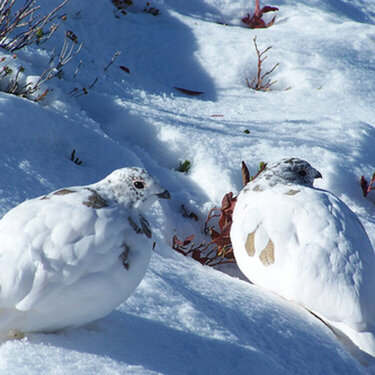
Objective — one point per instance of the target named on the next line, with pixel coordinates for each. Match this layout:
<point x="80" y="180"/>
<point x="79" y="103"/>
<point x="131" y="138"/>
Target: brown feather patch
<point x="292" y="192"/>
<point x="124" y="256"/>
<point x="146" y="227"/>
<point x="250" y="244"/>
<point x="95" y="201"/>
<point x="134" y="225"/>
<point x="267" y="256"/>
<point x="63" y="192"/>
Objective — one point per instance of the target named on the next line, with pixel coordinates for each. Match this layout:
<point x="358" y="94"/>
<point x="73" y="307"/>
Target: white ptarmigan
<point x="306" y="245"/>
<point x="74" y="255"/>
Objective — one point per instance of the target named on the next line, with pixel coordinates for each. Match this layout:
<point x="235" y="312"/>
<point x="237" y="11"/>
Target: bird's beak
<point x="165" y="195"/>
<point x="318" y="175"/>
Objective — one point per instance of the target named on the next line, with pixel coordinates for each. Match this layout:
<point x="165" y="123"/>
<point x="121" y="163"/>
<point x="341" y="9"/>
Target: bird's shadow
<point x="142" y="342"/>
<point x="168" y="348"/>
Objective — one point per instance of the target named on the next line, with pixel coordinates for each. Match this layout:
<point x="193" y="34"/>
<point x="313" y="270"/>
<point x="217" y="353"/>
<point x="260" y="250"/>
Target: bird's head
<point x="293" y="171"/>
<point x="132" y="187"/>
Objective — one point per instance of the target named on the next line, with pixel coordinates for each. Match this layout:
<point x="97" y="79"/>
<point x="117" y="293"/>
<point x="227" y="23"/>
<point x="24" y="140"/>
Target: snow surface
<point x="185" y="318"/>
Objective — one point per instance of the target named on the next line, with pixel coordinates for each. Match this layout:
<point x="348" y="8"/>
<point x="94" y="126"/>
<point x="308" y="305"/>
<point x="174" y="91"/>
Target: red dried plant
<point x="188" y="92"/>
<point x="257" y="82"/>
<point x="121" y="5"/>
<point x="219" y="250"/>
<point x="255" y="21"/>
<point x="222" y="245"/>
<point x="151" y="10"/>
<point x="367" y="186"/>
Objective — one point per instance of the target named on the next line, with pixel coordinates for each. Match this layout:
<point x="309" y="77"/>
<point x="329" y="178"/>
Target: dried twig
<point x="41" y="96"/>
<point x="76" y="92"/>
<point x="54" y="70"/>
<point x="67" y="53"/>
<point x="257" y="82"/>
<point x="219" y="250"/>
<point x="78" y="68"/>
<point x="117" y="53"/>
<point x="31" y="24"/>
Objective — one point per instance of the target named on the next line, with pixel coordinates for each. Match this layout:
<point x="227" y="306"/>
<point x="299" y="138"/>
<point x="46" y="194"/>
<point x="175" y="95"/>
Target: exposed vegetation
<point x="367" y="186"/>
<point x="184" y="166"/>
<point x="219" y="249"/>
<point x="255" y="21"/>
<point x="259" y="82"/>
<point x="22" y="27"/>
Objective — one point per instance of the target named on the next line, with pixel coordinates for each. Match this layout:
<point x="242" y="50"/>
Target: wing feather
<point x="321" y="254"/>
<point x="46" y="242"/>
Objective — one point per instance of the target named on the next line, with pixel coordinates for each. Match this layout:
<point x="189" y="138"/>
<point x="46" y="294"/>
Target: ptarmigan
<point x="306" y="245"/>
<point x="74" y="255"/>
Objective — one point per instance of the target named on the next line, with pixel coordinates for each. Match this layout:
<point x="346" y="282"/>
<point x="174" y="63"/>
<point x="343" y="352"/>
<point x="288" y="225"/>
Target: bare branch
<point x="257" y="81"/>
<point x="117" y="53"/>
<point x="31" y="25"/>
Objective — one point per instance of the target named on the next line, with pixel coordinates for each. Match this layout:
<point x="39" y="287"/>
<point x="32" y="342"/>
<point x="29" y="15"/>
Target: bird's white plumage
<point x="74" y="255"/>
<point x="306" y="245"/>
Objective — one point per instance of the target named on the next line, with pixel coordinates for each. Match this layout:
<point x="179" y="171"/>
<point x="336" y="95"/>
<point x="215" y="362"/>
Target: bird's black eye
<point x="302" y="173"/>
<point x="139" y="184"/>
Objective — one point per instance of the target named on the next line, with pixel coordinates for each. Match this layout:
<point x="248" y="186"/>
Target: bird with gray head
<point x="291" y="171"/>
<point x="306" y="245"/>
<point x="74" y="255"/>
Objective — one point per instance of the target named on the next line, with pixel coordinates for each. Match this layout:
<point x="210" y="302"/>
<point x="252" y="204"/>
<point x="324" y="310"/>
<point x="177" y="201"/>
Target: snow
<point x="185" y="318"/>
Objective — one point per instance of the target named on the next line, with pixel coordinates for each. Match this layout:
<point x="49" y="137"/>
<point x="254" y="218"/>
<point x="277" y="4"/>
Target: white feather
<point x="322" y="256"/>
<point x="72" y="257"/>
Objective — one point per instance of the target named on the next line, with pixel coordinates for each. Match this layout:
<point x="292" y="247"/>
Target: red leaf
<point x="225" y="228"/>
<point x="246" y="19"/>
<point x="222" y="241"/>
<point x="245" y="173"/>
<point x="125" y="69"/>
<point x="197" y="256"/>
<point x="255" y="21"/>
<point x="176" y="241"/>
<point x="372" y="182"/>
<point x="187" y="240"/>
<point x="227" y="208"/>
<point x="214" y="235"/>
<point x="228" y="202"/>
<point x="268" y="8"/>
<point x="189" y="92"/>
<point x="364" y="186"/>
<point x="225" y="221"/>
<point x="219" y="238"/>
